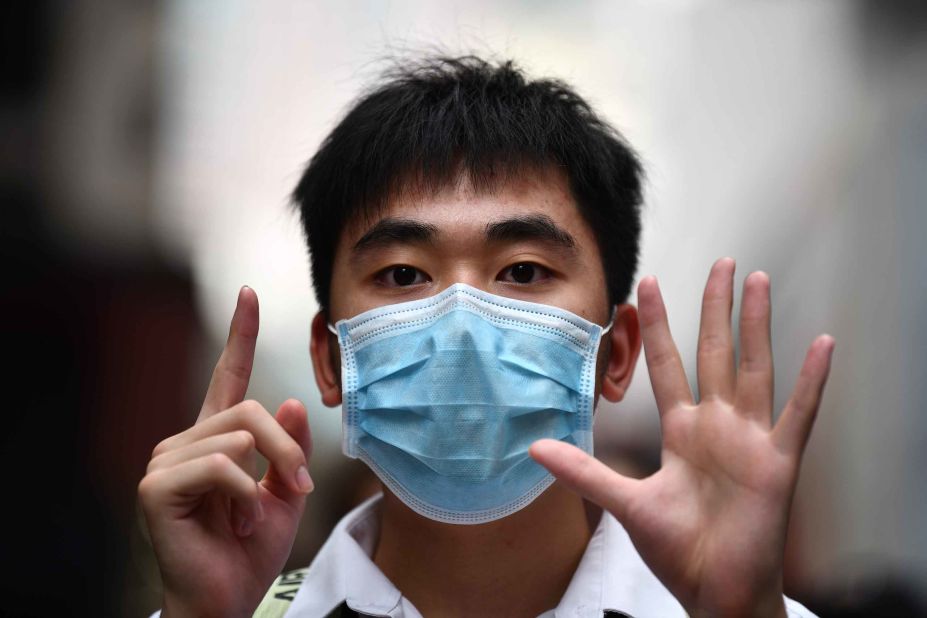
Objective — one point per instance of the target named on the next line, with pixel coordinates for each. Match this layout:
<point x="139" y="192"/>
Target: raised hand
<point x="711" y="523"/>
<point x="221" y="537"/>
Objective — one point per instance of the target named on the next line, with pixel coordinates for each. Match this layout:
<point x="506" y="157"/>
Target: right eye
<point x="401" y="276"/>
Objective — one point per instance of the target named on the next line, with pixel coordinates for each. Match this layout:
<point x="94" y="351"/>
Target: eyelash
<point x="381" y="277"/>
<point x="542" y="273"/>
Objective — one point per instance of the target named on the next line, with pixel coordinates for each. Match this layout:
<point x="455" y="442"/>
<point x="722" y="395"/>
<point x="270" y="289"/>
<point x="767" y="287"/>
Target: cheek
<point x="587" y="296"/>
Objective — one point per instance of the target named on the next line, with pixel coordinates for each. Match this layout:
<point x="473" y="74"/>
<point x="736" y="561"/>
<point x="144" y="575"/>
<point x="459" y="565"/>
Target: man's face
<point x="526" y="240"/>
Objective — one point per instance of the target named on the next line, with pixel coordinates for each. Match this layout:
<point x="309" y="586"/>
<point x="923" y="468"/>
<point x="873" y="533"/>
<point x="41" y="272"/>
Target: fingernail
<point x="303" y="480"/>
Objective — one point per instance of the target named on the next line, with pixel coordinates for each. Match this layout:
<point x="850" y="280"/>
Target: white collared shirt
<point x="610" y="576"/>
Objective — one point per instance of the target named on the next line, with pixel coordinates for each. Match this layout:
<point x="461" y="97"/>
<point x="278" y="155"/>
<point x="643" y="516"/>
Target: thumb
<point x="294" y="419"/>
<point x="585" y="475"/>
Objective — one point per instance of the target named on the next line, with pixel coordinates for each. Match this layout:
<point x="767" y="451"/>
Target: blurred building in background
<point x="149" y="148"/>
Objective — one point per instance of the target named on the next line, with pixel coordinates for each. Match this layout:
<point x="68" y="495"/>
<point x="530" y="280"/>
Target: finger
<point x="715" y="343"/>
<point x="585" y="475"/>
<point x="663" y="363"/>
<point x="233" y="371"/>
<point x="754" y="391"/>
<point x="270" y="438"/>
<point x="293" y="418"/>
<point x="238" y="446"/>
<point x="180" y="488"/>
<point x="794" y="425"/>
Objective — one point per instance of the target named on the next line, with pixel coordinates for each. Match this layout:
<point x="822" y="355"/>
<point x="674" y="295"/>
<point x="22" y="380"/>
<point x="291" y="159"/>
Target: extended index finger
<point x="233" y="371"/>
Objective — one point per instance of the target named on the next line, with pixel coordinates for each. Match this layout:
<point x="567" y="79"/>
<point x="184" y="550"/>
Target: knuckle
<point x="754" y="364"/>
<point x="143" y="488"/>
<point x="236" y="332"/>
<point x="235" y="370"/>
<point x="652" y="319"/>
<point x="585" y="473"/>
<point x="242" y="441"/>
<point x="295" y="454"/>
<point x="661" y="357"/>
<point x="162" y="447"/>
<point x="148" y="488"/>
<point x="712" y="343"/>
<point x="153" y="464"/>
<point x="756" y="317"/>
<point x="219" y="463"/>
<point x="804" y="401"/>
<point x="716" y="292"/>
<point x="250" y="409"/>
<point x="239" y="412"/>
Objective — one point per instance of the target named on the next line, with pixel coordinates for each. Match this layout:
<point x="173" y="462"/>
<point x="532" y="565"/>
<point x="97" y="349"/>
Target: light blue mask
<point x="443" y="396"/>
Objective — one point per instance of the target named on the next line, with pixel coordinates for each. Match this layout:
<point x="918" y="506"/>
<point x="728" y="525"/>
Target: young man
<point x="474" y="237"/>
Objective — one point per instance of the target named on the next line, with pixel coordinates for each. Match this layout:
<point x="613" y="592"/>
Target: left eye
<point x="401" y="276"/>
<point x="524" y="272"/>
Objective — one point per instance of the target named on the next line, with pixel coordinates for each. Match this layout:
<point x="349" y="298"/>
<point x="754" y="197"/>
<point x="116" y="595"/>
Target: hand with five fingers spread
<point x="220" y="536"/>
<point x="711" y="523"/>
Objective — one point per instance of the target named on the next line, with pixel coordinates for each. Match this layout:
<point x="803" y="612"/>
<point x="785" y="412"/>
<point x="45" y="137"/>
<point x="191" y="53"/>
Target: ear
<point x="625" y="339"/>
<point x="322" y="349"/>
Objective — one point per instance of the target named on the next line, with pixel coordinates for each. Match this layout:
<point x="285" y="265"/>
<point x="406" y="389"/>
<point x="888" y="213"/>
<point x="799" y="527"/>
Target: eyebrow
<point x="530" y="227"/>
<point x="392" y="230"/>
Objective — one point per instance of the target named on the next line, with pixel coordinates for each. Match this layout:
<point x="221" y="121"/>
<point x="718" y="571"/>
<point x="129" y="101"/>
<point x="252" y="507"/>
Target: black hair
<point x="431" y="121"/>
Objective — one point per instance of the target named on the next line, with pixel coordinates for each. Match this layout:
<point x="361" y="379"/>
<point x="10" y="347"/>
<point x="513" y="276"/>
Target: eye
<point x="524" y="273"/>
<point x="401" y="276"/>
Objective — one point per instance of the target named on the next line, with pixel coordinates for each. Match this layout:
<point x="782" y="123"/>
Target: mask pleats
<point x="445" y="396"/>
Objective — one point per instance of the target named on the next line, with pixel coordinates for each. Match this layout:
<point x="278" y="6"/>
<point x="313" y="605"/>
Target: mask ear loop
<point x="331" y="328"/>
<point x="611" y="322"/>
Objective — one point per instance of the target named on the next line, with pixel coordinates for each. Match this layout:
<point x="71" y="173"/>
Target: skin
<point x="219" y="536"/>
<point x="711" y="523"/>
<point x="522" y="564"/>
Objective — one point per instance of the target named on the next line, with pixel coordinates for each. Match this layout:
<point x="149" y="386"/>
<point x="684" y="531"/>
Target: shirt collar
<point x="583" y="596"/>
<point x="610" y="576"/>
<point x="629" y="586"/>
<point x="343" y="571"/>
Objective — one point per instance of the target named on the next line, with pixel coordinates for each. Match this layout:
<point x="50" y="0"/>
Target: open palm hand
<point x="711" y="523"/>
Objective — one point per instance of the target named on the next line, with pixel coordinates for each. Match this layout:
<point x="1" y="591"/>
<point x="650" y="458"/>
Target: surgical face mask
<point x="443" y="396"/>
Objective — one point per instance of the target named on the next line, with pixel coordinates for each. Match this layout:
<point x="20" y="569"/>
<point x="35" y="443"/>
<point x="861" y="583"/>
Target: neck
<point x="516" y="566"/>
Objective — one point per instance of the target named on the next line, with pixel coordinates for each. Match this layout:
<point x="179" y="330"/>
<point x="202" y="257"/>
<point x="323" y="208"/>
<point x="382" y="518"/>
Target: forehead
<point x="459" y="209"/>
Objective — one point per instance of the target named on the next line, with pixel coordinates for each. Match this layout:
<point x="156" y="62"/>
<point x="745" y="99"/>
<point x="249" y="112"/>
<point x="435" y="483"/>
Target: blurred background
<point x="147" y="154"/>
